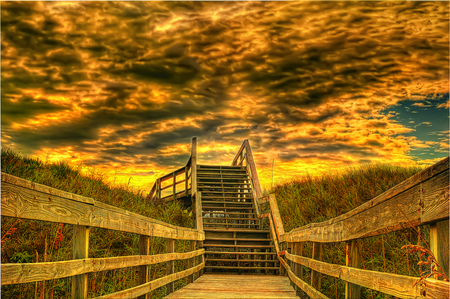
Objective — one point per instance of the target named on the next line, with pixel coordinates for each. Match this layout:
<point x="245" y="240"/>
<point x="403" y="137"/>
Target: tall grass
<point x="26" y="241"/>
<point x="314" y="199"/>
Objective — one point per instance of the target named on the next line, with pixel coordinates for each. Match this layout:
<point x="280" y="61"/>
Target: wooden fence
<point x="421" y="199"/>
<point x="168" y="183"/>
<point x="24" y="199"/>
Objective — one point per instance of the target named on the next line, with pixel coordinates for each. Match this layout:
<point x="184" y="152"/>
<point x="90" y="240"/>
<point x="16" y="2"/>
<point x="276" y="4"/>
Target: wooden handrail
<point x="421" y="199"/>
<point x="32" y="272"/>
<point x="24" y="199"/>
<point x="392" y="284"/>
<point x="155" y="192"/>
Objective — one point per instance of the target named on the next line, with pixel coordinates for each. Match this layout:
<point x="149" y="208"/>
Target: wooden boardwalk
<point x="237" y="286"/>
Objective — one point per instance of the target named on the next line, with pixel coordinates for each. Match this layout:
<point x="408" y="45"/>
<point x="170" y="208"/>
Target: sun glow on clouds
<point x="317" y="86"/>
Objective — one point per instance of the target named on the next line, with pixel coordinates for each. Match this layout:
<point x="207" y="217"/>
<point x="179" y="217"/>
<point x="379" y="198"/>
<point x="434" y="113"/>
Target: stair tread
<point x="231" y="208"/>
<point x="238" y="246"/>
<point x="245" y="230"/>
<point x="228" y="218"/>
<point x="236" y="239"/>
<point x="237" y="267"/>
<point x="241" y="260"/>
<point x="240" y="253"/>
<point x="229" y="213"/>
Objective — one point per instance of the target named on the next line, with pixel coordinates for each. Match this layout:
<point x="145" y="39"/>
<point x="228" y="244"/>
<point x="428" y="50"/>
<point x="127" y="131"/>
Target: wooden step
<point x="220" y="183"/>
<point x="241" y="260"/>
<point x="237" y="239"/>
<point x="238" y="230"/>
<point x="239" y="253"/>
<point x="206" y="166"/>
<point x="226" y="188"/>
<point x="239" y="246"/>
<point x="228" y="218"/>
<point x="225" y="197"/>
<point x="229" y="213"/>
<point x="217" y="202"/>
<point x="223" y="208"/>
<point x="242" y="268"/>
<point x="225" y="225"/>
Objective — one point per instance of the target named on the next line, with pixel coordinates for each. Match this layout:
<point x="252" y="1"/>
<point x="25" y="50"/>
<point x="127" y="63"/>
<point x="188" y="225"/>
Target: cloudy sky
<point x="124" y="86"/>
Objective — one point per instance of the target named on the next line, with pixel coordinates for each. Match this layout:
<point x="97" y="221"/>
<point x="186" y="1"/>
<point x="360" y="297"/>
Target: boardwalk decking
<point x="237" y="286"/>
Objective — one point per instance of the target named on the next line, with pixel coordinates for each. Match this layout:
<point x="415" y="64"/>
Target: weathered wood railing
<point x="27" y="200"/>
<point x="421" y="199"/>
<point x="187" y="173"/>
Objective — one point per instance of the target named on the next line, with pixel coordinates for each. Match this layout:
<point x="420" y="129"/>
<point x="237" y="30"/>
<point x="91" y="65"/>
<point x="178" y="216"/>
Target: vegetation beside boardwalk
<point x="29" y="241"/>
<point x="314" y="199"/>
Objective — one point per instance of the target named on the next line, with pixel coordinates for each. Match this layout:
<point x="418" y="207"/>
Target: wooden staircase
<point x="234" y="239"/>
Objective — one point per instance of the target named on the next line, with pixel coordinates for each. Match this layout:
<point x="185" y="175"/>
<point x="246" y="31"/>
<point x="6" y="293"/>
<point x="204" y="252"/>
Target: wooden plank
<point x="309" y="290"/>
<point x="191" y="262"/>
<point x="352" y="260"/>
<point x="152" y="285"/>
<point x="317" y="254"/>
<point x="386" y="212"/>
<point x="274" y="237"/>
<point x="392" y="284"/>
<point x="143" y="271"/>
<point x="298" y="269"/>
<point x="13" y="180"/>
<point x="32" y="272"/>
<point x="170" y="248"/>
<point x="21" y="202"/>
<point x="276" y="216"/>
<point x="439" y="233"/>
<point x="237" y="286"/>
<point x="80" y="251"/>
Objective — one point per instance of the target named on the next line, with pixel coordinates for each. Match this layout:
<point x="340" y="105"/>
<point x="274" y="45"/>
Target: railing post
<point x="191" y="262"/>
<point x="158" y="188"/>
<point x="144" y="249"/>
<point x="317" y="255"/>
<point x="198" y="211"/>
<point x="298" y="269"/>
<point x="174" y="185"/>
<point x="352" y="259"/>
<point x="170" y="248"/>
<point x="80" y="251"/>
<point x="439" y="243"/>
<point x="194" y="166"/>
<point x="186" y="182"/>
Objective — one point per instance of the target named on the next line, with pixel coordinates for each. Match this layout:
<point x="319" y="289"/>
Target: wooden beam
<point x="198" y="212"/>
<point x="392" y="284"/>
<point x="170" y="247"/>
<point x="298" y="269"/>
<point x="439" y="233"/>
<point x="386" y="212"/>
<point x="317" y="254"/>
<point x="17" y="200"/>
<point x="191" y="261"/>
<point x="276" y="216"/>
<point x="352" y="259"/>
<point x="152" y="285"/>
<point x="309" y="290"/>
<point x="32" y="272"/>
<point x="80" y="251"/>
<point x="143" y="271"/>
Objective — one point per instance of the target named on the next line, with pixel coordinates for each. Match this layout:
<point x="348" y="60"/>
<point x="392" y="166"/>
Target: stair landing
<point x="237" y="286"/>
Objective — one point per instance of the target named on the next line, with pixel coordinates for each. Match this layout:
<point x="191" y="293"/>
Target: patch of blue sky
<point x="429" y="119"/>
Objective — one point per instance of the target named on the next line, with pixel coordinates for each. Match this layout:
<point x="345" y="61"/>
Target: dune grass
<point x="314" y="199"/>
<point x="27" y="241"/>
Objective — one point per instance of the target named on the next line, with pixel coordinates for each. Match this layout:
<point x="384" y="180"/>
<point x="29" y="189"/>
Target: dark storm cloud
<point x="136" y="78"/>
